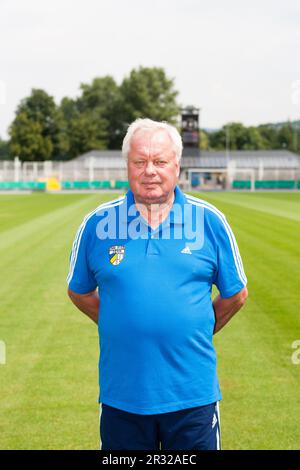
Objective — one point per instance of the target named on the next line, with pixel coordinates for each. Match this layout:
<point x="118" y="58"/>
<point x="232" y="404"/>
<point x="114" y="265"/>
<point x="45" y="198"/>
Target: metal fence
<point x="77" y="170"/>
<point x="114" y="169"/>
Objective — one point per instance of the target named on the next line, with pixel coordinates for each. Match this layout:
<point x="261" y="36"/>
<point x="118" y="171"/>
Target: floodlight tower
<point x="190" y="127"/>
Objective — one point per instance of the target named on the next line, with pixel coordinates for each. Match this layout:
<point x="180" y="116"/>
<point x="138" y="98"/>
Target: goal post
<point x="245" y="175"/>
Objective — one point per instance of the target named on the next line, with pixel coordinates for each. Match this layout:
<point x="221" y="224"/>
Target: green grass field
<point x="48" y="387"/>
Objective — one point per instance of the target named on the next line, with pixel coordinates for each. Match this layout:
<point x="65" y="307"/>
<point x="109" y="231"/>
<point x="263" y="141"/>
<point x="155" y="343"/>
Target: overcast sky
<point x="237" y="60"/>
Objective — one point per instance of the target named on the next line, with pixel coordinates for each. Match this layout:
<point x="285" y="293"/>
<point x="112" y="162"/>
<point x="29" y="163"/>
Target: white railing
<point x="91" y="170"/>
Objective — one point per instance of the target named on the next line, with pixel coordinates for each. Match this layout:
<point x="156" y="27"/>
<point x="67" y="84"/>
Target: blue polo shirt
<point x="156" y="317"/>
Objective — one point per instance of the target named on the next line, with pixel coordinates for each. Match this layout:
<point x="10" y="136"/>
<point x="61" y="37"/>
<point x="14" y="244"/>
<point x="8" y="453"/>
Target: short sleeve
<point x="80" y="278"/>
<point x="230" y="277"/>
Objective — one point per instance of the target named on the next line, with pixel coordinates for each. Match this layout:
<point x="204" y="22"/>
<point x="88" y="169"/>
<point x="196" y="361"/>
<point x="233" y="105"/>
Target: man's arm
<point x="87" y="303"/>
<point x="226" y="308"/>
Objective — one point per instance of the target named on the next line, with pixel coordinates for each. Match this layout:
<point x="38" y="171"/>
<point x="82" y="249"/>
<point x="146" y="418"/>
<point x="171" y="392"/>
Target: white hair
<point x="148" y="125"/>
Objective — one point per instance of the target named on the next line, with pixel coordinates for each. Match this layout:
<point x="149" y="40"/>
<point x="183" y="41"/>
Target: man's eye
<point x="161" y="162"/>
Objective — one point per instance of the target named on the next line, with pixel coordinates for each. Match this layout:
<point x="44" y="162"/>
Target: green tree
<point x="285" y="137"/>
<point x="237" y="137"/>
<point x="85" y="134"/>
<point x="99" y="117"/>
<point x="102" y="98"/>
<point x="269" y="136"/>
<point x="68" y="114"/>
<point x="27" y="140"/>
<point x="254" y="140"/>
<point x="217" y="139"/>
<point x="82" y="128"/>
<point x="204" y="140"/>
<point x="148" y="92"/>
<point x="35" y="130"/>
<point x="4" y="150"/>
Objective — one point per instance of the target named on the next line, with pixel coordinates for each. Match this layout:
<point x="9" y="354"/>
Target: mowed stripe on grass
<point x="49" y="384"/>
<point x="259" y="382"/>
<point x="49" y="387"/>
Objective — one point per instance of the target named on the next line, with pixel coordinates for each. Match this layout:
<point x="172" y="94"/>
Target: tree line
<point x="236" y="136"/>
<point x="99" y="116"/>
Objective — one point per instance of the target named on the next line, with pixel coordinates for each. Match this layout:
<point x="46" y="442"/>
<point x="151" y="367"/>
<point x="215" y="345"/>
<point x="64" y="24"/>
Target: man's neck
<point x="155" y="213"/>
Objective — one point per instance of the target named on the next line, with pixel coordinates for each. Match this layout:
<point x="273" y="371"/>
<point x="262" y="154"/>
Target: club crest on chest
<point x="116" y="254"/>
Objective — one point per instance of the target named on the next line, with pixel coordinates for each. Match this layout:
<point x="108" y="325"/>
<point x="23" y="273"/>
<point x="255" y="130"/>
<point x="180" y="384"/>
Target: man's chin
<point x="154" y="199"/>
<point x="153" y="196"/>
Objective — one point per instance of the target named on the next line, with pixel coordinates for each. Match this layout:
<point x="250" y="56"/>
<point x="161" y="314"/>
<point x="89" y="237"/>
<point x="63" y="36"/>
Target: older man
<point x="154" y="256"/>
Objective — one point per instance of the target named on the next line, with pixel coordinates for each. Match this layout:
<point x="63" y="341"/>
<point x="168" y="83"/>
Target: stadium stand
<point x="105" y="170"/>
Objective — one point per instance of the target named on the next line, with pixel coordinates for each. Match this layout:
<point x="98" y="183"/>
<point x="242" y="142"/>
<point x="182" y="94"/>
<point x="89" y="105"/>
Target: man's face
<point x="153" y="168"/>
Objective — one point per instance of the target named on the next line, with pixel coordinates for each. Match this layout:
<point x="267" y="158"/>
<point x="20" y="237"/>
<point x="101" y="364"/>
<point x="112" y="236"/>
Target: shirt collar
<point x="175" y="215"/>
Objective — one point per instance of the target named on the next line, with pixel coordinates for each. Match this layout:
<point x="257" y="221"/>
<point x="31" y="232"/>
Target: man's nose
<point x="150" y="168"/>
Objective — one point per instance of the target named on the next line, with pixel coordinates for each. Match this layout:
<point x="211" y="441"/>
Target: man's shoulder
<point x="93" y="217"/>
<point x="211" y="211"/>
